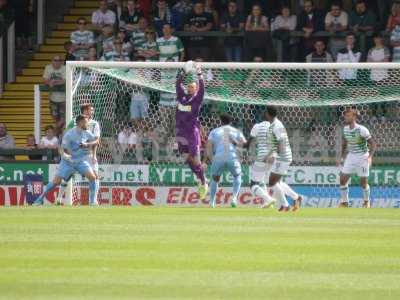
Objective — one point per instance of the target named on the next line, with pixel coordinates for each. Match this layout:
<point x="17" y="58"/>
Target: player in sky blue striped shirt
<point x="222" y="147"/>
<point x="76" y="155"/>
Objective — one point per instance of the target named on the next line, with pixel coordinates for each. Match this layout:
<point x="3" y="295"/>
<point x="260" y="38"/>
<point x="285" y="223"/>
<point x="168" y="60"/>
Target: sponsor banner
<point x="188" y="196"/>
<point x="13" y="173"/>
<point x="174" y="174"/>
<point x="117" y="174"/>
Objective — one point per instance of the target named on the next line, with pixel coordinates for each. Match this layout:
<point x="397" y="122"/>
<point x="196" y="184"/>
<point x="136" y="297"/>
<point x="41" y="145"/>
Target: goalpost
<point x="311" y="98"/>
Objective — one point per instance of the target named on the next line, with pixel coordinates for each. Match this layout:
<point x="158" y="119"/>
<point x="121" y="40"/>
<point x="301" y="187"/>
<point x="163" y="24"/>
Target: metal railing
<point x="40" y="21"/>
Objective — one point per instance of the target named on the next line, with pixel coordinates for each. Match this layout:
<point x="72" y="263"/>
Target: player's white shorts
<point x="356" y="164"/>
<point x="259" y="172"/>
<point x="280" y="167"/>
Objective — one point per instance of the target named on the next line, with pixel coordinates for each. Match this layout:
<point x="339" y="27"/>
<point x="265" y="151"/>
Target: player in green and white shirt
<point x="358" y="148"/>
<point x="260" y="169"/>
<point x="279" y="156"/>
<point x="94" y="128"/>
<point x="169" y="46"/>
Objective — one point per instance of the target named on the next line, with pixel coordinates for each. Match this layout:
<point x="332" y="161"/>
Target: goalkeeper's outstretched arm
<point x="180" y="91"/>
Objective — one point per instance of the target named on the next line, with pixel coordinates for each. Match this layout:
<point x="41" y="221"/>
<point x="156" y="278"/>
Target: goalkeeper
<point x="188" y="125"/>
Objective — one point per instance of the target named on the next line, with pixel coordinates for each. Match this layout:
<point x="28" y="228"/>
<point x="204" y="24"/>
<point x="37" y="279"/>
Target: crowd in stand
<point x="128" y="30"/>
<point x="161" y="30"/>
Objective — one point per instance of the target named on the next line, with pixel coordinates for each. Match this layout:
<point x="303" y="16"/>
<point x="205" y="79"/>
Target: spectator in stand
<point x="139" y="108"/>
<point x="92" y="54"/>
<point x="50" y="140"/>
<point x="31" y="145"/>
<point x="149" y="48"/>
<point x="138" y="37"/>
<point x="180" y="11"/>
<point x="395" y="43"/>
<point x="319" y="54"/>
<point x="118" y="7"/>
<point x="117" y="54"/>
<point x="349" y="54"/>
<point x="130" y="17"/>
<point x="106" y="39"/>
<point x="103" y="16"/>
<point x="336" y="21"/>
<point x="362" y="19"/>
<point x="81" y="40"/>
<point x="170" y="47"/>
<point x="68" y="52"/>
<point x="54" y="78"/>
<point x="199" y="21"/>
<point x="379" y="53"/>
<point x="127" y="139"/>
<point x="127" y="47"/>
<point x="257" y="26"/>
<point x="394" y="18"/>
<point x="209" y="7"/>
<point x="162" y="15"/>
<point x="282" y="27"/>
<point x="256" y="21"/>
<point x="6" y="141"/>
<point x="383" y="11"/>
<point x="232" y="22"/>
<point x="309" y="21"/>
<point x="23" y="12"/>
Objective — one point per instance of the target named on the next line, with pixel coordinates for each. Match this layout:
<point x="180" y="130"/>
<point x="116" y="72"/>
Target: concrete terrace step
<point x="61" y="34"/>
<point x="56" y="41"/>
<point x="30" y="79"/>
<point x="32" y="71"/>
<point x="48" y="56"/>
<point x="73" y="18"/>
<point x="92" y="4"/>
<point x="52" y="48"/>
<point x="38" y="63"/>
<point x="82" y="11"/>
<point x="19" y="87"/>
<point x="66" y="26"/>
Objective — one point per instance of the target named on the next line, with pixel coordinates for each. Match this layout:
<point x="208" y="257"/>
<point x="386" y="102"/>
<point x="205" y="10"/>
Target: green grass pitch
<point x="198" y="253"/>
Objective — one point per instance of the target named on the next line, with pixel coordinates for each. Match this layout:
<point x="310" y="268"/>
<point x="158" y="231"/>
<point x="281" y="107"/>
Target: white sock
<point x="288" y="190"/>
<point x="61" y="191"/>
<point x="366" y="193"/>
<point x="279" y="195"/>
<point x="344" y="193"/>
<point x="258" y="191"/>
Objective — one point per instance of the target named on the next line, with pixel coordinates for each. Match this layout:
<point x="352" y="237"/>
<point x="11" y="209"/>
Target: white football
<point x="190" y="67"/>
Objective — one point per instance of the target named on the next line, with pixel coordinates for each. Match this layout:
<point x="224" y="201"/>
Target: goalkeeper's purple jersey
<point x="188" y="110"/>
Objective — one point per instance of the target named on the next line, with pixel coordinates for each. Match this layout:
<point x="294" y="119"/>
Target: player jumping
<point x="77" y="142"/>
<point x="188" y="126"/>
<point x="260" y="169"/>
<point x="221" y="150"/>
<point x="360" y="147"/>
<point x="94" y="128"/>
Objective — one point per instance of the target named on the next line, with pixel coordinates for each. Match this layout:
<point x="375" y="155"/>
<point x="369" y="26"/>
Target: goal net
<point x="135" y="105"/>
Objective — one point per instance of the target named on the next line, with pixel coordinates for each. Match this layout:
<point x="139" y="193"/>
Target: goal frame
<point x="70" y="65"/>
